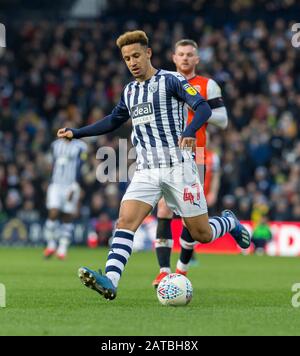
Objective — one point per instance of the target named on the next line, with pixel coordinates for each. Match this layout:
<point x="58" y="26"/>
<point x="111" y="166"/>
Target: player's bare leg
<point x="199" y="228"/>
<point x="132" y="214"/>
<point x="50" y="232"/>
<point x="207" y="230"/>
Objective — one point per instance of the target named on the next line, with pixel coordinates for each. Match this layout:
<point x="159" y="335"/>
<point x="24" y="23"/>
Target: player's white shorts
<point x="179" y="185"/>
<point x="64" y="198"/>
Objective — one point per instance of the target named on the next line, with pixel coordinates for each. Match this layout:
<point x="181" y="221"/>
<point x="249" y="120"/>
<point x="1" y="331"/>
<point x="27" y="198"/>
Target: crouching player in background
<point x="63" y="195"/>
<point x="186" y="59"/>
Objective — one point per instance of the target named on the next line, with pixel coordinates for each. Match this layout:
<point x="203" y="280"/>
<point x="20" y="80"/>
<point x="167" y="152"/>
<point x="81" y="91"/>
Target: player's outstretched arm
<point x="110" y="123"/>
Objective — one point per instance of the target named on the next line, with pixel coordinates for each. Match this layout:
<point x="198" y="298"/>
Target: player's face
<point x="137" y="59"/>
<point x="186" y="59"/>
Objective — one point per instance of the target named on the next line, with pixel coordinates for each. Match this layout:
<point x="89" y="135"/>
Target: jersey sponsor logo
<point x="189" y="89"/>
<point x="142" y="113"/>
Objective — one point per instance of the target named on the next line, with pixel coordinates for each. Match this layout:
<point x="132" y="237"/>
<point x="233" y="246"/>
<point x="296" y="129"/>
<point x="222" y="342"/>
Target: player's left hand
<point x="187" y="143"/>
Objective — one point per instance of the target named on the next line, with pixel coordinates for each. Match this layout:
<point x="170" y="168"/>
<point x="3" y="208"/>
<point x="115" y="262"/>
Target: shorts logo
<point x="190" y="196"/>
<point x="189" y="89"/>
<point x="142" y="113"/>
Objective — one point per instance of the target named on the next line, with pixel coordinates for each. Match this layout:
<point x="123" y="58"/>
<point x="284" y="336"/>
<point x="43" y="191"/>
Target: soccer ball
<point x="174" y="289"/>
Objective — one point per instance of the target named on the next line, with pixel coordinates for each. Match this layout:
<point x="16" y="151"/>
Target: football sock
<point x="184" y="267"/>
<point x="164" y="244"/>
<point x="50" y="233"/>
<point x="187" y="244"/>
<point x="220" y="226"/>
<point x="66" y="236"/>
<point x="119" y="254"/>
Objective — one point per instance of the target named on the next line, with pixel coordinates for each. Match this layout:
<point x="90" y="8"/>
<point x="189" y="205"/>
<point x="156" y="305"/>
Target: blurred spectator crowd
<point x="53" y="72"/>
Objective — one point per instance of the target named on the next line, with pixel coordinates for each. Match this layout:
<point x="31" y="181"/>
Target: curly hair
<point x="132" y="37"/>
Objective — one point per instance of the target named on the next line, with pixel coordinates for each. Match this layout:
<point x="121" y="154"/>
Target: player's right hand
<point x="64" y="133"/>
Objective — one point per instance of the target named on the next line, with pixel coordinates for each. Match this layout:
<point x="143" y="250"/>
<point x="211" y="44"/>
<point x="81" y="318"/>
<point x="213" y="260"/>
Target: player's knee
<point x="200" y="235"/>
<point x="206" y="237"/>
<point x="126" y="222"/>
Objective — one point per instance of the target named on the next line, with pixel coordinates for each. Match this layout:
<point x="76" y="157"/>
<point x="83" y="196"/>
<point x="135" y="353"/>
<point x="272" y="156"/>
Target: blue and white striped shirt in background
<point x="67" y="159"/>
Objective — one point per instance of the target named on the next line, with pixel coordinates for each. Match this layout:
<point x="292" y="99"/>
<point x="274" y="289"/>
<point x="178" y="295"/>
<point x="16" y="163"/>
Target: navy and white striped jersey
<point x="158" y="109"/>
<point x="67" y="160"/>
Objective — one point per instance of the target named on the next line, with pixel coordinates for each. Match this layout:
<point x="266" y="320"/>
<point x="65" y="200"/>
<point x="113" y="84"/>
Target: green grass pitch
<point x="233" y="295"/>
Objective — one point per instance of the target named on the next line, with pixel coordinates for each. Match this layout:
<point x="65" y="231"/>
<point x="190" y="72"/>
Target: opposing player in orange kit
<point x="186" y="59"/>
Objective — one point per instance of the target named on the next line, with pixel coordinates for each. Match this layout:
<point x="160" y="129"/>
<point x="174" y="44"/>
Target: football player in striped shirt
<point x="156" y="103"/>
<point x="63" y="195"/>
<point x="186" y="59"/>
